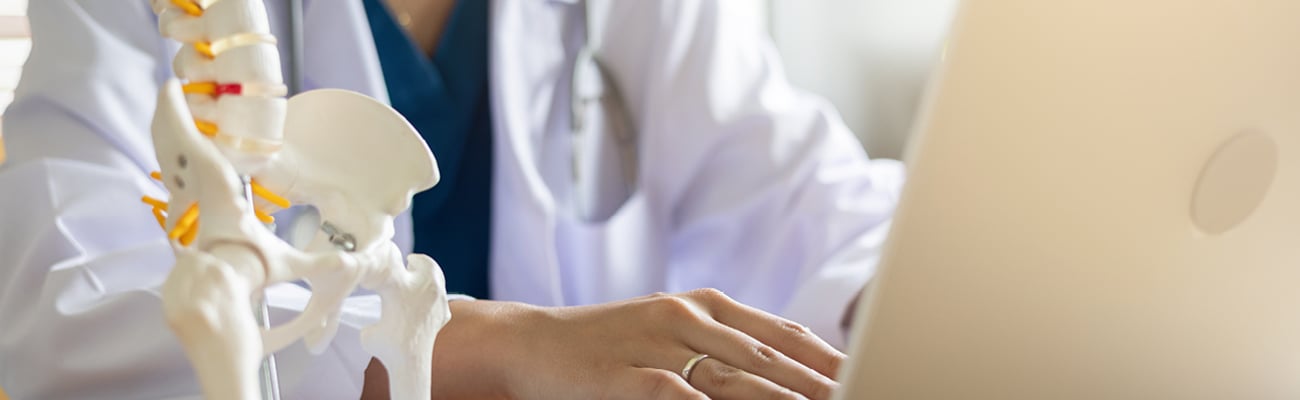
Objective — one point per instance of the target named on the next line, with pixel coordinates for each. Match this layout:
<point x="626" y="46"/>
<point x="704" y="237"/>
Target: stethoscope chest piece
<point x="605" y="146"/>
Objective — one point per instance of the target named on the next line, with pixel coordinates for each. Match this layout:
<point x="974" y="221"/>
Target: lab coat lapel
<point x="339" y="50"/>
<point x="523" y="80"/>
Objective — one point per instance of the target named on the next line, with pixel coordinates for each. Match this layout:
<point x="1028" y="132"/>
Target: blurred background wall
<point x="871" y="58"/>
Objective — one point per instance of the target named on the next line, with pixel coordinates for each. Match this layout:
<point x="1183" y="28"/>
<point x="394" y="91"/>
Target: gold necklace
<point x="400" y="12"/>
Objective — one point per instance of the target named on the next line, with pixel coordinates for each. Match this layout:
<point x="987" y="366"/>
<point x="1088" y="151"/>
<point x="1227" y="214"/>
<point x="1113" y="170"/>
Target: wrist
<point x="474" y="351"/>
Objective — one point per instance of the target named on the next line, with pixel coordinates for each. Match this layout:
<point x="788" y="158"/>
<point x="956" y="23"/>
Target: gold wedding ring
<point x="690" y="366"/>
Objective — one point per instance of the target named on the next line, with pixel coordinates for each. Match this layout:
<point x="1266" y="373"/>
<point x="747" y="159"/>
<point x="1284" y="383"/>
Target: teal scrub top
<point x="446" y="99"/>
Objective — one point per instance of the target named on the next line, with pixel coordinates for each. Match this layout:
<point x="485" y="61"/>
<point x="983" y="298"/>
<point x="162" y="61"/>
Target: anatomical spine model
<point x="232" y="150"/>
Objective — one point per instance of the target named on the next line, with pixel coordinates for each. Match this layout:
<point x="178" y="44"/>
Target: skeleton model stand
<point x="232" y="151"/>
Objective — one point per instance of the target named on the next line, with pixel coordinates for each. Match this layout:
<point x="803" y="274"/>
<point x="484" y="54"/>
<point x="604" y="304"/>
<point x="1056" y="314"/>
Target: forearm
<point x="468" y="354"/>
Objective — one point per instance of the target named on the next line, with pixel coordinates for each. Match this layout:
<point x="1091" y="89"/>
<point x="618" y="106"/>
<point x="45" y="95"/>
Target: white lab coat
<point x="746" y="184"/>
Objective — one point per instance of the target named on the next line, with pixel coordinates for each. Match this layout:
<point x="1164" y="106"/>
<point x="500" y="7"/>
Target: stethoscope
<point x="604" y="138"/>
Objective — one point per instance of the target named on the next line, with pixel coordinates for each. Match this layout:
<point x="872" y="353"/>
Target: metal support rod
<point x="297" y="52"/>
<point x="269" y="378"/>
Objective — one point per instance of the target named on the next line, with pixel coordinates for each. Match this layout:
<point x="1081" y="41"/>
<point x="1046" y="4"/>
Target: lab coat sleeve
<point x="769" y="196"/>
<point x="81" y="259"/>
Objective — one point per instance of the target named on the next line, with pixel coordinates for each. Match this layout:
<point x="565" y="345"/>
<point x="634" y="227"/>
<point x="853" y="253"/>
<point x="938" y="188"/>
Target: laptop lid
<point x="1103" y="202"/>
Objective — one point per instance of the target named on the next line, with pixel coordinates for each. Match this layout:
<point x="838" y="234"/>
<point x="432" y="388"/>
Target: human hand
<point x="632" y="349"/>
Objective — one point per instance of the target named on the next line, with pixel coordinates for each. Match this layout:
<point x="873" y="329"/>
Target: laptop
<point x="1103" y="202"/>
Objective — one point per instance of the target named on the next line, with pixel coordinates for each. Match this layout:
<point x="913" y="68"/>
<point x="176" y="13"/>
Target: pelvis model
<point x="233" y="150"/>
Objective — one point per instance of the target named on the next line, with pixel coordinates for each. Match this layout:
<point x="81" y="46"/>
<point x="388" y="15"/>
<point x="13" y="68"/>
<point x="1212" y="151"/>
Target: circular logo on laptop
<point x="1234" y="182"/>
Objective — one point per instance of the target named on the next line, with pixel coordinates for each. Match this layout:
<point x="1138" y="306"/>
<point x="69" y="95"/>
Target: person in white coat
<point x="741" y="183"/>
